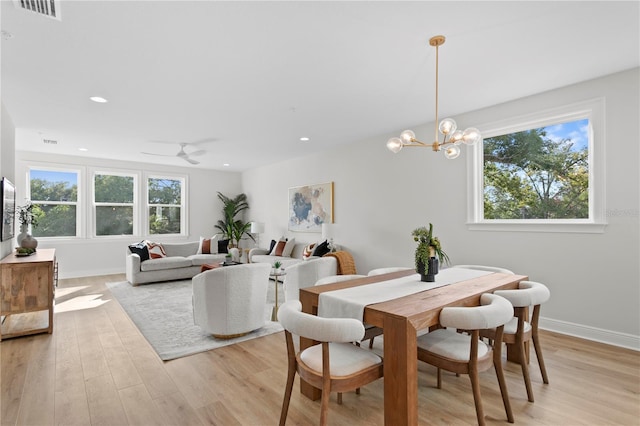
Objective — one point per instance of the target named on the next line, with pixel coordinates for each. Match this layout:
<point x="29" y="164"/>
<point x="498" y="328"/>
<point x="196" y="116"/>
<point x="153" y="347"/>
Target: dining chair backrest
<point x="494" y="311"/>
<point x="485" y="268"/>
<point x="317" y="328"/>
<point x="529" y="293"/>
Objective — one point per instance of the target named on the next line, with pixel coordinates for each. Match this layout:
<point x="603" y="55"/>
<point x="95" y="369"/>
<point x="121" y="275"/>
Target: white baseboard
<point x="615" y="338"/>
<point x="92" y="273"/>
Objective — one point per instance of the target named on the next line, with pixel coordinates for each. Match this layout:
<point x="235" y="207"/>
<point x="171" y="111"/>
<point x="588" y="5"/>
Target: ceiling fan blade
<point x="191" y="161"/>
<point x="153" y="153"/>
<point x="198" y="152"/>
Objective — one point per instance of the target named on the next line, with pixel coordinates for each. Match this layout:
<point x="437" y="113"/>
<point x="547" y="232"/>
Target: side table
<point x="275" y="274"/>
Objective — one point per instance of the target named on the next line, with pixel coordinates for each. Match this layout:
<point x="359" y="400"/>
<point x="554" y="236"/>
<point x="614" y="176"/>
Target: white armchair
<point x="306" y="273"/>
<point x="230" y="301"/>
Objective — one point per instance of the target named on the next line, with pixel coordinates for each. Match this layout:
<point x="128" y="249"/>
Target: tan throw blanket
<point x="346" y="265"/>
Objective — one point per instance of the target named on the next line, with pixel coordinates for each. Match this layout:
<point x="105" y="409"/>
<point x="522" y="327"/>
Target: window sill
<point x="535" y="226"/>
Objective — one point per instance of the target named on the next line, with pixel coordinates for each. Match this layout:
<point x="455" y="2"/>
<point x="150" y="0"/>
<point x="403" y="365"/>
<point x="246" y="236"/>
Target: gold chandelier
<point x="448" y="127"/>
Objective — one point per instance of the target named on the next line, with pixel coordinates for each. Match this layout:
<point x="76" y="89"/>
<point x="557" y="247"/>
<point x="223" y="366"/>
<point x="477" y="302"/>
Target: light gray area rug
<point x="164" y="315"/>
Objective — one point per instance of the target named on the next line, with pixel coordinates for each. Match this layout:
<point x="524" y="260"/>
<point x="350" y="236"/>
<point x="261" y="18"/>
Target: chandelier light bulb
<point x="448" y="125"/>
<point x="407" y="136"/>
<point x="456" y="137"/>
<point x="452" y="152"/>
<point x="394" y="145"/>
<point x="471" y="136"/>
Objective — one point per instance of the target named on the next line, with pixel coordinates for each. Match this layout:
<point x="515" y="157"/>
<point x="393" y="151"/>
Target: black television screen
<point x="8" y="209"/>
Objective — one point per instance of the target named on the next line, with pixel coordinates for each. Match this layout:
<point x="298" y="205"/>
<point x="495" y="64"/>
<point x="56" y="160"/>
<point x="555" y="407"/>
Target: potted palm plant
<point x="428" y="253"/>
<point x="231" y="228"/>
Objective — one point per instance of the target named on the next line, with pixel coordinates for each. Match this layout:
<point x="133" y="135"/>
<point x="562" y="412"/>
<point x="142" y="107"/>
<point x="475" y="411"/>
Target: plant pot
<point x="432" y="270"/>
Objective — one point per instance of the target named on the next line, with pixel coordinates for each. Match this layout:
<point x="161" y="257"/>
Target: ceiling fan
<point x="182" y="154"/>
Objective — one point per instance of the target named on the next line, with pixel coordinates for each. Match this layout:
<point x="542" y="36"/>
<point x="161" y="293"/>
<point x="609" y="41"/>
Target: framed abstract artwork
<point x="310" y="206"/>
<point x="8" y="209"/>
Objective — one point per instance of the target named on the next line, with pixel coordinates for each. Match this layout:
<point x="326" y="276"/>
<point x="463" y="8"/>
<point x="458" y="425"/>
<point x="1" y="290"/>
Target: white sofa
<point x="181" y="262"/>
<point x="230" y="302"/>
<point x="260" y="255"/>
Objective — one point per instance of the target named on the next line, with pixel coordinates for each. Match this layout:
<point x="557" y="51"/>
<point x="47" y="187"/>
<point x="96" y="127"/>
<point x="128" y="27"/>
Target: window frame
<point x="80" y="172"/>
<point x="183" y="178"/>
<point x="594" y="110"/>
<point x="92" y="210"/>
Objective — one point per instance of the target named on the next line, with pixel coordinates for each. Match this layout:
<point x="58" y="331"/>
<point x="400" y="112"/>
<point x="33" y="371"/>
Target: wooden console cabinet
<point x="26" y="293"/>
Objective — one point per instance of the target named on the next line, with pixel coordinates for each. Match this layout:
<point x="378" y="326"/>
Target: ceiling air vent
<point x="50" y="142"/>
<point x="48" y="8"/>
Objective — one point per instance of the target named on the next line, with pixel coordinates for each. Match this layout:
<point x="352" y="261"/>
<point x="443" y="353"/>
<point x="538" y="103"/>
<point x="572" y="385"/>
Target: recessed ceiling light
<point x="98" y="99"/>
<point x="226" y="165"/>
<point x="83" y="149"/>
<point x="304" y="139"/>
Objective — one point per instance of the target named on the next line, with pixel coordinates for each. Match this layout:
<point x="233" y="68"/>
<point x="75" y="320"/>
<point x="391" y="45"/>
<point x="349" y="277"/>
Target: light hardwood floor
<point x="97" y="369"/>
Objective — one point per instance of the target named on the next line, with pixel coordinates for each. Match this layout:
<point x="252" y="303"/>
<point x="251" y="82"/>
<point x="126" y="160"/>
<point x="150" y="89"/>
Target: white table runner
<point x="350" y="302"/>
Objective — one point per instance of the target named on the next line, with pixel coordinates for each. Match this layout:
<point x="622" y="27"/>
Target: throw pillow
<point x="288" y="247"/>
<point x="307" y="252"/>
<point x="223" y="246"/>
<point x="321" y="249"/>
<point x="273" y="244"/>
<point x="279" y="248"/>
<point x="141" y="250"/>
<point x="156" y="251"/>
<point x="208" y="245"/>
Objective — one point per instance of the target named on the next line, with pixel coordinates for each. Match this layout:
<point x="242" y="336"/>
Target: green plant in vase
<point x="429" y="247"/>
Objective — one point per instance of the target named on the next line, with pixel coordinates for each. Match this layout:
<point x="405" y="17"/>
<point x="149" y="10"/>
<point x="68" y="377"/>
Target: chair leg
<point x="339" y="398"/>
<point x="291" y="375"/>
<point x="439" y="378"/>
<point x="525" y="368"/>
<point x="324" y="407"/>
<point x="503" y="389"/>
<point x="477" y="398"/>
<point x="536" y="345"/>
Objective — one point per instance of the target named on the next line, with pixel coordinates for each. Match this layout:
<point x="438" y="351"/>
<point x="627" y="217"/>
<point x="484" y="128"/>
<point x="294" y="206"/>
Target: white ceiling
<point x="250" y="78"/>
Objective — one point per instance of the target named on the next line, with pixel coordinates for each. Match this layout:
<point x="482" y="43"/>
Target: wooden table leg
<point x="400" y="373"/>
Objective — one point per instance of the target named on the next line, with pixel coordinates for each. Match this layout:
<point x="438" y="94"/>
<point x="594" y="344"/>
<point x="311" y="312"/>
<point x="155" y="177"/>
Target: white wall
<point x="7" y="162"/>
<point x="380" y="198"/>
<point x="106" y="255"/>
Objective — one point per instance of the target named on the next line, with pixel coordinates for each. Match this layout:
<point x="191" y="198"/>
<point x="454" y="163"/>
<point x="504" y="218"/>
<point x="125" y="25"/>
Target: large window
<point x="165" y="205"/>
<point x="54" y="194"/>
<point x="113" y="203"/>
<point x="541" y="172"/>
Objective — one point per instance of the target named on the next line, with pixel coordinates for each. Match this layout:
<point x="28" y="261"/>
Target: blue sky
<point x="70" y="178"/>
<point x="577" y="131"/>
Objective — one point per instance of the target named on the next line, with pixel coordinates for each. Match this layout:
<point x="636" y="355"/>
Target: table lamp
<point x="257" y="228"/>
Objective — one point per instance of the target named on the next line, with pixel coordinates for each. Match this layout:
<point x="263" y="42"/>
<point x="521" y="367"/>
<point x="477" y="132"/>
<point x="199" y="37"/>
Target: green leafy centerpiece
<point x="428" y="253"/>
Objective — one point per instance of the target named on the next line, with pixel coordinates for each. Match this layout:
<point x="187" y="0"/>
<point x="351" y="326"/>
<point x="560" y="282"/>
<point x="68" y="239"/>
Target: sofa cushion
<point x="307" y="252"/>
<point x="208" y="245"/>
<point x="278" y="248"/>
<point x="288" y="247"/>
<point x="163" y="263"/>
<point x="156" y="250"/>
<point x="141" y="250"/>
<point x="223" y="246"/>
<point x="321" y="249"/>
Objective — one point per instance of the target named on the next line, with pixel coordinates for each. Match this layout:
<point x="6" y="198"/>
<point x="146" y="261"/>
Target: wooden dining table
<point x="401" y="319"/>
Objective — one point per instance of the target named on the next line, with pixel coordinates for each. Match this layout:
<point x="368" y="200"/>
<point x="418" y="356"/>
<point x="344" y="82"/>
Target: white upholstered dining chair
<point x="463" y="353"/>
<point x="485" y="268"/>
<point x="370" y="331"/>
<point x="333" y="365"/>
<point x="520" y="329"/>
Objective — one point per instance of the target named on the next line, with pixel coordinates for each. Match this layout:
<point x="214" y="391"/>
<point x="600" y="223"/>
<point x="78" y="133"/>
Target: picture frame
<point x="8" y="209"/>
<point x="310" y="206"/>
